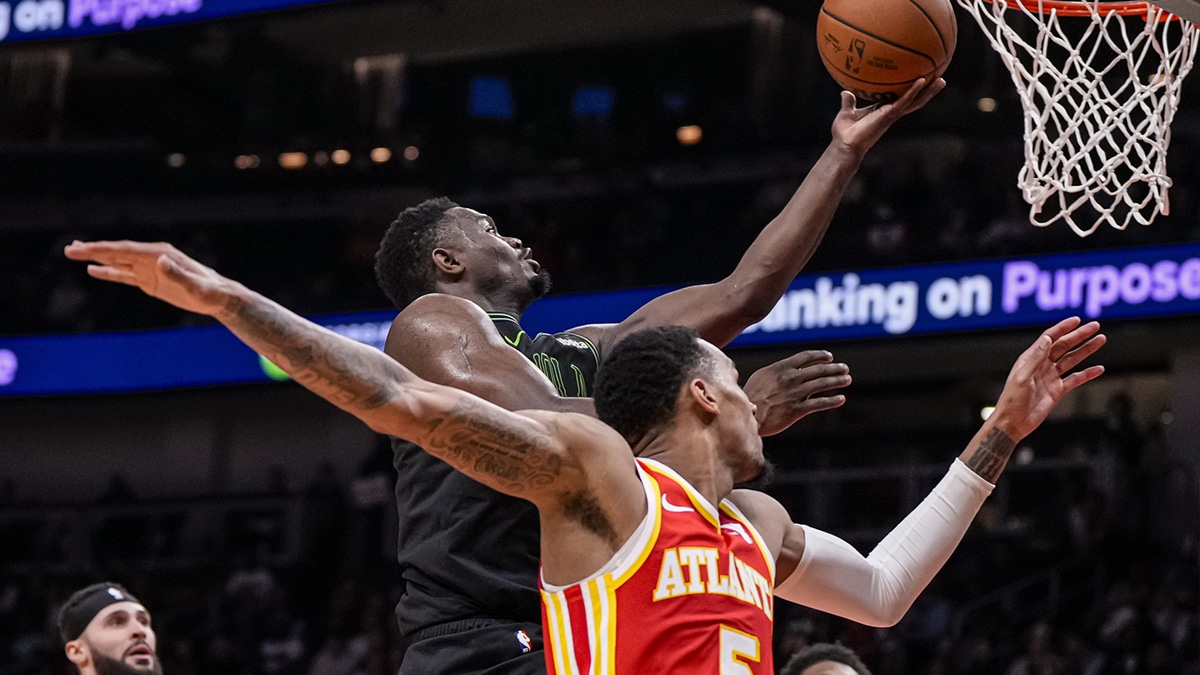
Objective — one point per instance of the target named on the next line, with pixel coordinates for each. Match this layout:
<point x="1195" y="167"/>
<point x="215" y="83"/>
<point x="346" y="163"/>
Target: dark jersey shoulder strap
<point x="570" y="360"/>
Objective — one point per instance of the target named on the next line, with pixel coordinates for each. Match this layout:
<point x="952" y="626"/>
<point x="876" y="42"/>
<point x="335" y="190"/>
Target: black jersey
<point x="465" y="550"/>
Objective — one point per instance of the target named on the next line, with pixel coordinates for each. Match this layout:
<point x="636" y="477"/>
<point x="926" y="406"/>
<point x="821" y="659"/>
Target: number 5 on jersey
<point x="736" y="646"/>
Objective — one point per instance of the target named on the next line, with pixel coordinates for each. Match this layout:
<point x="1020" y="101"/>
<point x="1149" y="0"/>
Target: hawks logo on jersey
<point x="690" y="592"/>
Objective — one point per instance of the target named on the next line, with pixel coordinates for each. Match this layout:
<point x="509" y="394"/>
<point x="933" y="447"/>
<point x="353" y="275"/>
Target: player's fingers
<point x="913" y="93"/>
<point x="820" y="403"/>
<point x="848" y="101"/>
<point x="115" y="252"/>
<point x="107" y="255"/>
<point x="822" y="370"/>
<point x="1077" y="356"/>
<point x="807" y="358"/>
<point x="824" y="384"/>
<point x="107" y="273"/>
<point x="1074" y="338"/>
<point x="1086" y="375"/>
<point x="933" y="89"/>
<point x="1062" y="327"/>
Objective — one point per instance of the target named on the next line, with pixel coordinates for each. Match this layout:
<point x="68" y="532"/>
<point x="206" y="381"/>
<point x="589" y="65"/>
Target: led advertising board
<point x="1140" y="283"/>
<point x="27" y="20"/>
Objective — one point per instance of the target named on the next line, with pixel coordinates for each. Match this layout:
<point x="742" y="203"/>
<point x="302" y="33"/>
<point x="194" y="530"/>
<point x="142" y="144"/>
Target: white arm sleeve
<point x="877" y="590"/>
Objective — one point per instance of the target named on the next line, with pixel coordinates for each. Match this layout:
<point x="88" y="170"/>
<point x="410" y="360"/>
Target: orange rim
<point x="1069" y="8"/>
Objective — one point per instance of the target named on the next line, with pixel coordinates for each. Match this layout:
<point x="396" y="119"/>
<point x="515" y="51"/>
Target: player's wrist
<point x="228" y="299"/>
<point x="1012" y="425"/>
<point x="847" y="156"/>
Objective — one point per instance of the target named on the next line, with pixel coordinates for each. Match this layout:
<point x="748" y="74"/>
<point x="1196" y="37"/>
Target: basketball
<point x="878" y="48"/>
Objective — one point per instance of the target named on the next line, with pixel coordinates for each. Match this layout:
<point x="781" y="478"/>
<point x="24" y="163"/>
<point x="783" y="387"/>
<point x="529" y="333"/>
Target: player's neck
<point x="694" y="454"/>
<point x="502" y="303"/>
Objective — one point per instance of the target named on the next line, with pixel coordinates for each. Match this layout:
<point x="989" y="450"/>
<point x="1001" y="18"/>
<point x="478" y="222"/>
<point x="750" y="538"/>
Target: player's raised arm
<point x="819" y="570"/>
<point x="516" y="454"/>
<point x="722" y="310"/>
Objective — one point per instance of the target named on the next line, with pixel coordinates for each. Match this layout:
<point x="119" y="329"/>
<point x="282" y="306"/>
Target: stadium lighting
<point x="986" y="412"/>
<point x="689" y="135"/>
<point x="340" y="157"/>
<point x="411" y="153"/>
<point x="293" y="160"/>
<point x="381" y="155"/>
<point x="986" y="104"/>
<point x="176" y="160"/>
<point x="246" y="161"/>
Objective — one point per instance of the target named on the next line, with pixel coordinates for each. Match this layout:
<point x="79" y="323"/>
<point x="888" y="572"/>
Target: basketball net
<point x="1099" y="92"/>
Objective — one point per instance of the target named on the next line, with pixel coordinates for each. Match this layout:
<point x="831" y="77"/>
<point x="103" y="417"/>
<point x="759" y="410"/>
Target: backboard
<point x="1187" y="9"/>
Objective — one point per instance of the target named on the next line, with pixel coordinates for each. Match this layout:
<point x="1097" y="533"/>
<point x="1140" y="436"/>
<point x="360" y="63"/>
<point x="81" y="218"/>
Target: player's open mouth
<point x="140" y="653"/>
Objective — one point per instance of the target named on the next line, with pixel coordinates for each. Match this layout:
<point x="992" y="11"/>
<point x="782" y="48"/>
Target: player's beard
<point x="109" y="666"/>
<point x="766" y="473"/>
<point x="540" y="284"/>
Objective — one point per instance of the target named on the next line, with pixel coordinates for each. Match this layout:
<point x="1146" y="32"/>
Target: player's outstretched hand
<point x="860" y="128"/>
<point x="795" y="387"/>
<point x="160" y="270"/>
<point x="1042" y="375"/>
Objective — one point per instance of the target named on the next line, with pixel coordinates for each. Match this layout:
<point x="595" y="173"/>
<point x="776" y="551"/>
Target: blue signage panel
<point x="818" y="308"/>
<point x="24" y="20"/>
<point x="151" y="360"/>
<point x="1115" y="284"/>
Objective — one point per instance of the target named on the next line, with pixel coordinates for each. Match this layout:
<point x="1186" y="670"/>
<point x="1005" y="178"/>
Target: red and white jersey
<point x="689" y="593"/>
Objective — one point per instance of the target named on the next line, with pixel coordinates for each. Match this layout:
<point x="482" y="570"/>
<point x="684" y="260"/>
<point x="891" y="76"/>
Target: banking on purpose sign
<point x="818" y="308"/>
<point x="1116" y="284"/>
<point x="24" y="20"/>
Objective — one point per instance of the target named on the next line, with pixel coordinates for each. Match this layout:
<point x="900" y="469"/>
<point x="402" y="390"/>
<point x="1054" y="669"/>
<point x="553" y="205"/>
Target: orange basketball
<point x="878" y="48"/>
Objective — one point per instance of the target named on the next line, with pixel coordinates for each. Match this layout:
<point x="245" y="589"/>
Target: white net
<point x="1099" y="92"/>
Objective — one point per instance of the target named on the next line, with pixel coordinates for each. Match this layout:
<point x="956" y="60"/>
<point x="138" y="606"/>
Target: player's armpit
<point x="451" y="341"/>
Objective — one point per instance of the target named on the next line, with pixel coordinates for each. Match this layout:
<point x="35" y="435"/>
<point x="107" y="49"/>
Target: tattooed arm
<point x="817" y="569"/>
<point x="519" y="454"/>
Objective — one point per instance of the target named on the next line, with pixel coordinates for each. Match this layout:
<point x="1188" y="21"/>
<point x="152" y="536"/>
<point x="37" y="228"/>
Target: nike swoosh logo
<point x="668" y="506"/>
<point x="739" y="530"/>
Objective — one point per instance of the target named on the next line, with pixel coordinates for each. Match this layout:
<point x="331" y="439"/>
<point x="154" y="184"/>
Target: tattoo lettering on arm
<point x="346" y="375"/>
<point x="992" y="454"/>
<point x="475" y="439"/>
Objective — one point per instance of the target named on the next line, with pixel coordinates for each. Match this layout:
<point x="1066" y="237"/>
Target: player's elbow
<point x="887" y="610"/>
<point x="884" y="617"/>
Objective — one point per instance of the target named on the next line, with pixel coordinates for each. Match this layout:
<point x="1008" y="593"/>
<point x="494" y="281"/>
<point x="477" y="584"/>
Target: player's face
<point x="121" y="642"/>
<point x="498" y="265"/>
<point x="739" y="425"/>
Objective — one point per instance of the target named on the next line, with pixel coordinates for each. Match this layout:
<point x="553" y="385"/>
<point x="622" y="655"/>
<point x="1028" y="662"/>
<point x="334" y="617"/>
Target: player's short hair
<point x="403" y="267"/>
<point x="814" y="654"/>
<point x="638" y="384"/>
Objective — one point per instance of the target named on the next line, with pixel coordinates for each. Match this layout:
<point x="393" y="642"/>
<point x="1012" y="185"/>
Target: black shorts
<point x="466" y="648"/>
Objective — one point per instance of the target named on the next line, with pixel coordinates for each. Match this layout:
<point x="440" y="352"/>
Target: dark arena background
<point x="632" y="144"/>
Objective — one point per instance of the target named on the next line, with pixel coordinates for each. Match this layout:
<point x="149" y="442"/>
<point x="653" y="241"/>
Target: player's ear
<point x="445" y="261"/>
<point x="76" y="652"/>
<point x="702" y="395"/>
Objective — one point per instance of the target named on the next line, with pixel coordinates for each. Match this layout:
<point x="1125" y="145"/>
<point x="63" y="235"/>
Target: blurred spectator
<point x="1039" y="657"/>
